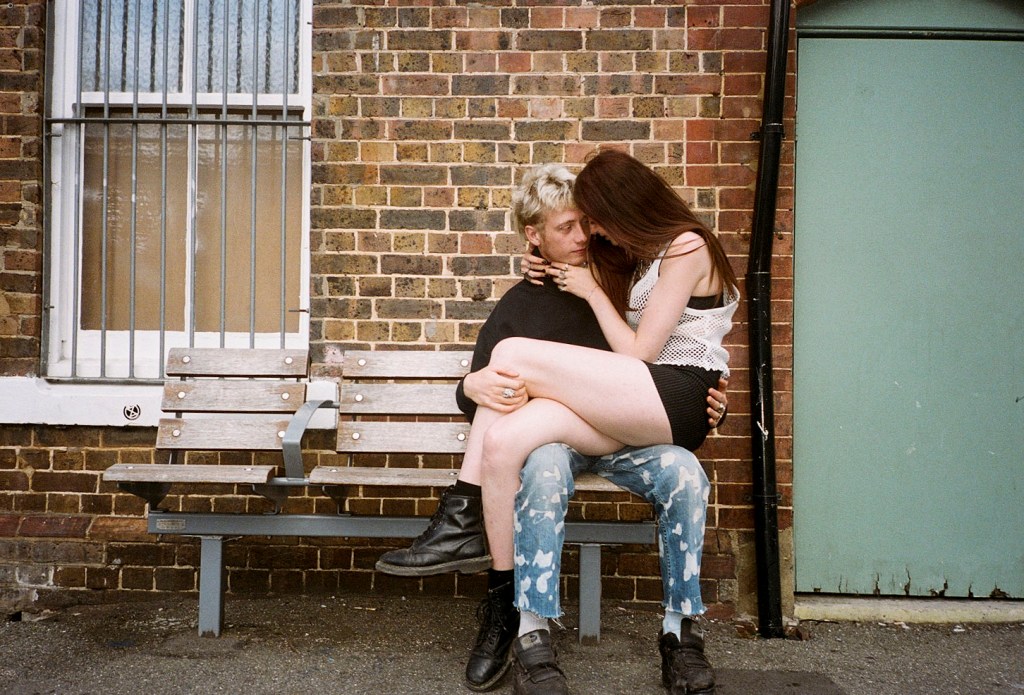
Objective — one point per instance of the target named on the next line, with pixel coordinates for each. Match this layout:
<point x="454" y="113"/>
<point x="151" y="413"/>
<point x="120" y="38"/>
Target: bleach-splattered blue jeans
<point x="668" y="477"/>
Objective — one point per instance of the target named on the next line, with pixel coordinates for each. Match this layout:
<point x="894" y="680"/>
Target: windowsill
<point x="37" y="401"/>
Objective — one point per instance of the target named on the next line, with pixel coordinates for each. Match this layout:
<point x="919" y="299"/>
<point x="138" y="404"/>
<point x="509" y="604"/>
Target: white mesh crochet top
<point x="697" y="338"/>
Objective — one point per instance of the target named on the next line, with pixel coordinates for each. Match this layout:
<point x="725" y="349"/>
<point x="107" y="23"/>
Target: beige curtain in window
<point x="106" y="274"/>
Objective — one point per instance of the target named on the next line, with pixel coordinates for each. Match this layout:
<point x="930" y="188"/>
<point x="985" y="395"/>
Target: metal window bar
<point x="223" y="175"/>
<point x="253" y="133"/>
<point x="152" y="42"/>
<point x="193" y="172"/>
<point x="133" y="221"/>
<point x="163" y="187"/>
<point x="284" y="157"/>
<point x="77" y="225"/>
<point x="119" y="36"/>
<point x="266" y="48"/>
<point x="106" y="198"/>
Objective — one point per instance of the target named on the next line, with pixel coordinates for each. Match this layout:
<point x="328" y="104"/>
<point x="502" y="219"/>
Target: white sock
<point x="530" y="621"/>
<point x="672" y="623"/>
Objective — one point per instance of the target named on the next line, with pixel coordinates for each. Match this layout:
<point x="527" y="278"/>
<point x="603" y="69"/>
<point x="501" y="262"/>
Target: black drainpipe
<point x="758" y="282"/>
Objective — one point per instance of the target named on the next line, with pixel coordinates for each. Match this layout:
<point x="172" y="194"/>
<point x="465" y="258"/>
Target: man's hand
<point x="717" y="403"/>
<point x="498" y="390"/>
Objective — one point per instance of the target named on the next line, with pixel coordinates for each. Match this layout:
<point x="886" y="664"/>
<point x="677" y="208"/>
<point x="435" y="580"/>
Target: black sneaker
<point x="684" y="668"/>
<point x="535" y="667"/>
<point x="499" y="623"/>
<point x="453" y="541"/>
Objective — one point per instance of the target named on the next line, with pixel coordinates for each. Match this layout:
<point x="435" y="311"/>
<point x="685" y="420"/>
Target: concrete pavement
<point x="373" y="644"/>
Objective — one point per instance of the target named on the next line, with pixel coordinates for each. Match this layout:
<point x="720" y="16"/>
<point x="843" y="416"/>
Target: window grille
<point x="178" y="165"/>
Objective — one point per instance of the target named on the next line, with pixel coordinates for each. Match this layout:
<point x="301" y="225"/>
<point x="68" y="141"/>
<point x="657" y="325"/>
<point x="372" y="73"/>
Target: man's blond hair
<point x="544" y="189"/>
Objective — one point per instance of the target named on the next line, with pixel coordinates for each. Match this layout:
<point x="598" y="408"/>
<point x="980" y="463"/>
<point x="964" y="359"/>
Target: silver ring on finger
<point x="721" y="408"/>
<point x="508" y="393"/>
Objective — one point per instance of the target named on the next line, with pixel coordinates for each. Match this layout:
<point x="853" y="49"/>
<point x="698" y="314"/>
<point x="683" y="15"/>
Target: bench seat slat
<point x="423" y="477"/>
<point x="358" y="475"/>
<point x="237" y="362"/>
<point x="216" y="434"/>
<point x="398" y="399"/>
<point x="181" y="473"/>
<point x="414" y="364"/>
<point x="223" y="396"/>
<point x="402" y="437"/>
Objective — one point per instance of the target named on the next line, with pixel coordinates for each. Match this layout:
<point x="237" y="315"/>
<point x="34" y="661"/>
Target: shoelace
<point x="539" y="668"/>
<point x="437" y="518"/>
<point x="488" y="613"/>
<point x="691" y="657"/>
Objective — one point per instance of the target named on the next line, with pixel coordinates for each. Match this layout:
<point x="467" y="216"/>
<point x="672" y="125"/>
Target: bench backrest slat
<point x="232" y="396"/>
<point x="402" y="437"/>
<point x="398" y="399"/>
<point x="408" y="364"/>
<point x="233" y="362"/>
<point x="217" y="434"/>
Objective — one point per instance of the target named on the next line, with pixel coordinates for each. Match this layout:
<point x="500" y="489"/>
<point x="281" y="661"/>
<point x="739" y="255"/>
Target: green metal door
<point x="909" y="314"/>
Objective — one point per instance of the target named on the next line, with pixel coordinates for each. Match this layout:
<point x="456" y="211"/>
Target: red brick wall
<point x="424" y="117"/>
<point x="21" y="105"/>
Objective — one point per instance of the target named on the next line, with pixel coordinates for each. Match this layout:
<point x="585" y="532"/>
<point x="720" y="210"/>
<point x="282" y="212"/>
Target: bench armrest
<point x="291" y="445"/>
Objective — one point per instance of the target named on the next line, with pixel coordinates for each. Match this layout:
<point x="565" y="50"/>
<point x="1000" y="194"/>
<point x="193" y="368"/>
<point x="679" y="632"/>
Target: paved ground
<point x="375" y="645"/>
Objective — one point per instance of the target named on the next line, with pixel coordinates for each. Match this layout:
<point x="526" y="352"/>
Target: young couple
<point x="614" y="353"/>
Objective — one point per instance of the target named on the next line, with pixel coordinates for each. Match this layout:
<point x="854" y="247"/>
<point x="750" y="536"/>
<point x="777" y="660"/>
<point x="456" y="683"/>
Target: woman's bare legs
<point x="614" y="393"/>
<point x="592" y="400"/>
<point x="470" y="471"/>
<point x="508" y="442"/>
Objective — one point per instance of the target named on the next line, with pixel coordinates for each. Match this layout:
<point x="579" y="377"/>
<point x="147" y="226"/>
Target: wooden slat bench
<point x="398" y="407"/>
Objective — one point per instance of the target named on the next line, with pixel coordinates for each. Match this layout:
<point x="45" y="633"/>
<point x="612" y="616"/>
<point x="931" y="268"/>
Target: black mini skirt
<point x="684" y="392"/>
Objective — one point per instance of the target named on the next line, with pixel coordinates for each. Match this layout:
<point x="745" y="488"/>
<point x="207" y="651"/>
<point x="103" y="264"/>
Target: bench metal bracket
<point x="338" y="493"/>
<point x="275" y="493"/>
<point x="153" y="493"/>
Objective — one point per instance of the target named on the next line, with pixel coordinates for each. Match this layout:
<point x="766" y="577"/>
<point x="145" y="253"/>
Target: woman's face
<point x="595" y="227"/>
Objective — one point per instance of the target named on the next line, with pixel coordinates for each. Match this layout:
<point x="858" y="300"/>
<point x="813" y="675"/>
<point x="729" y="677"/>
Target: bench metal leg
<point x="590" y="593"/>
<point x="211" y="585"/>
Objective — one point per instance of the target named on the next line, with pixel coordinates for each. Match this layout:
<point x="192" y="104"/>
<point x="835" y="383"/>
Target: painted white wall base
<point x="33" y="400"/>
<point x="907" y="610"/>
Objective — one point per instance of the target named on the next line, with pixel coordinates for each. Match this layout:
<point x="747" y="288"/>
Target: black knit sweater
<point x="534" y="311"/>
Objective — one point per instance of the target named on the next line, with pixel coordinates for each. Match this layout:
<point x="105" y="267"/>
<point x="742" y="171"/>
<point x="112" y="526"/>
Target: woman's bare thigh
<point x="613" y="393"/>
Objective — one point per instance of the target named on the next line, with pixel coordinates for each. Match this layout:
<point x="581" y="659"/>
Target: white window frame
<point x="66" y="395"/>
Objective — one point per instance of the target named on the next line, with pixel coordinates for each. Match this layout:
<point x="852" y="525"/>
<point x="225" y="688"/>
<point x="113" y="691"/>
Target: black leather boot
<point x="499" y="623"/>
<point x="454" y="541"/>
